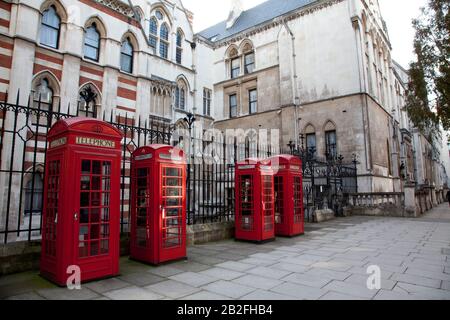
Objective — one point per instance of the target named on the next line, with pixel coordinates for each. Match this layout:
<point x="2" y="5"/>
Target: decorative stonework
<point x="118" y="6"/>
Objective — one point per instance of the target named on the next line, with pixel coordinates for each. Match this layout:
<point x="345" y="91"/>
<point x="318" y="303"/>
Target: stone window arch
<point x="89" y="101"/>
<point x="159" y="30"/>
<point x="92" y="42"/>
<point x="234" y="62"/>
<point x="164" y="41"/>
<point x="45" y="94"/>
<point x="180" y="95"/>
<point x="331" y="140"/>
<point x="50" y="28"/>
<point x="129" y="47"/>
<point x="179" y="42"/>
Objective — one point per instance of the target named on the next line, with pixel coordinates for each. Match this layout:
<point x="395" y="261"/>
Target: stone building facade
<point x="321" y="69"/>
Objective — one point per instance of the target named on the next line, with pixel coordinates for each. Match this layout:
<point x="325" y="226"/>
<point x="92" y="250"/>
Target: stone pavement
<point x="329" y="262"/>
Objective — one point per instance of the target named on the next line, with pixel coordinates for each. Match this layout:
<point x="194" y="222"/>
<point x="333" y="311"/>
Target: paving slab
<point x="423" y="292"/>
<point x="361" y="280"/>
<point x="298" y="291"/>
<point x="257" y="282"/>
<point x="193" y="279"/>
<point x="205" y="295"/>
<point x="172" y="289"/>
<point x="27" y="296"/>
<point x="359" y="291"/>
<point x="132" y="293"/>
<point x="107" y="285"/>
<point x="307" y="280"/>
<point x="66" y="294"/>
<point x="228" y="289"/>
<point x="334" y="296"/>
<point x="268" y="272"/>
<point x="262" y="295"/>
<point x="221" y="273"/>
<point x="416" y="280"/>
<point x="236" y="266"/>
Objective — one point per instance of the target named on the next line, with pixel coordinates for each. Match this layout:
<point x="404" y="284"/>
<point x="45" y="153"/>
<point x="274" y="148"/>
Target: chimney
<point x="235" y="13"/>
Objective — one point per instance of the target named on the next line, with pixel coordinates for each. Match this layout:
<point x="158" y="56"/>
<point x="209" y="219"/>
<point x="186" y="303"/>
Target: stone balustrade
<point x="377" y="199"/>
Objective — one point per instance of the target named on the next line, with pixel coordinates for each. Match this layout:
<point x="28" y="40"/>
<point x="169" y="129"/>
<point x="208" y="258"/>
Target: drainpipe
<point x="295" y="95"/>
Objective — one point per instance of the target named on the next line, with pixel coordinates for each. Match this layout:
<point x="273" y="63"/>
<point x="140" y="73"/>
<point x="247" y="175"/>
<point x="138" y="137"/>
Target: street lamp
<point x="291" y="146"/>
<point x="189" y="119"/>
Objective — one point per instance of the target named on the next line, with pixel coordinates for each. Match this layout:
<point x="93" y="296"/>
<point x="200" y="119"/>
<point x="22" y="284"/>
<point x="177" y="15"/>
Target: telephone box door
<point x="268" y="206"/>
<point x="96" y="241"/>
<point x="171" y="212"/>
<point x="246" y="200"/>
<point x="142" y="209"/>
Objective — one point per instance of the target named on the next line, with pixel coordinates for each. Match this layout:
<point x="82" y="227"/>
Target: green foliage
<point x="429" y="88"/>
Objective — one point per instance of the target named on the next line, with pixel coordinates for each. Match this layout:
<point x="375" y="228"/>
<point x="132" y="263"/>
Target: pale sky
<point x="397" y="13"/>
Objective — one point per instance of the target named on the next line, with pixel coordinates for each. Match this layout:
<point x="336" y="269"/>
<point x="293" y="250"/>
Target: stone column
<point x="21" y="78"/>
<point x="410" y="200"/>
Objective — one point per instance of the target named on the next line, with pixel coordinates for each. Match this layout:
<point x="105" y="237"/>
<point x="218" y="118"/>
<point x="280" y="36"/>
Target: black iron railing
<point x="210" y="178"/>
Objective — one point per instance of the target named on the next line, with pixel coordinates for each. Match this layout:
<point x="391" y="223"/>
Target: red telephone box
<point x="81" y="218"/>
<point x="289" y="211"/>
<point x="254" y="187"/>
<point x="158" y="204"/>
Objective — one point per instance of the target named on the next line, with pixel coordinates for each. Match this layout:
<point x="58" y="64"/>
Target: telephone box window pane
<point x="173" y="212"/>
<point x="173" y="202"/>
<point x="268" y="202"/>
<point x="142" y="172"/>
<point x="298" y="200"/>
<point x="142" y="183"/>
<point x="105" y="214"/>
<point x="105" y="201"/>
<point x="84" y="215"/>
<point x="83" y="249"/>
<point x="96" y="167"/>
<point x="94" y="248"/>
<point x="279" y="200"/>
<point x="173" y="182"/>
<point x="95" y="215"/>
<point x="104" y="247"/>
<point x="95" y="232"/>
<point x="95" y="199"/>
<point x="84" y="233"/>
<point x="105" y="230"/>
<point x="173" y="172"/>
<point x="246" y="196"/>
<point x="172" y="192"/>
<point x="85" y="182"/>
<point x="96" y="183"/>
<point x="106" y="168"/>
<point x="106" y="184"/>
<point x="84" y="199"/>
<point x="86" y="167"/>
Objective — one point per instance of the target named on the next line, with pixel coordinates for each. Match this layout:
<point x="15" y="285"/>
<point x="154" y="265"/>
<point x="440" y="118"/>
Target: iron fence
<point x="210" y="178"/>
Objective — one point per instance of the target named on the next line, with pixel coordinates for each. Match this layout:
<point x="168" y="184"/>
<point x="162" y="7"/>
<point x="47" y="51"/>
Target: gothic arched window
<point x="164" y="41"/>
<point x="42" y="101"/>
<point x="50" y="28"/>
<point x="153" y="32"/>
<point x="180" y="97"/>
<point x="179" y="54"/>
<point x="88" y="102"/>
<point x="92" y="43"/>
<point x="126" y="56"/>
<point x="33" y="195"/>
